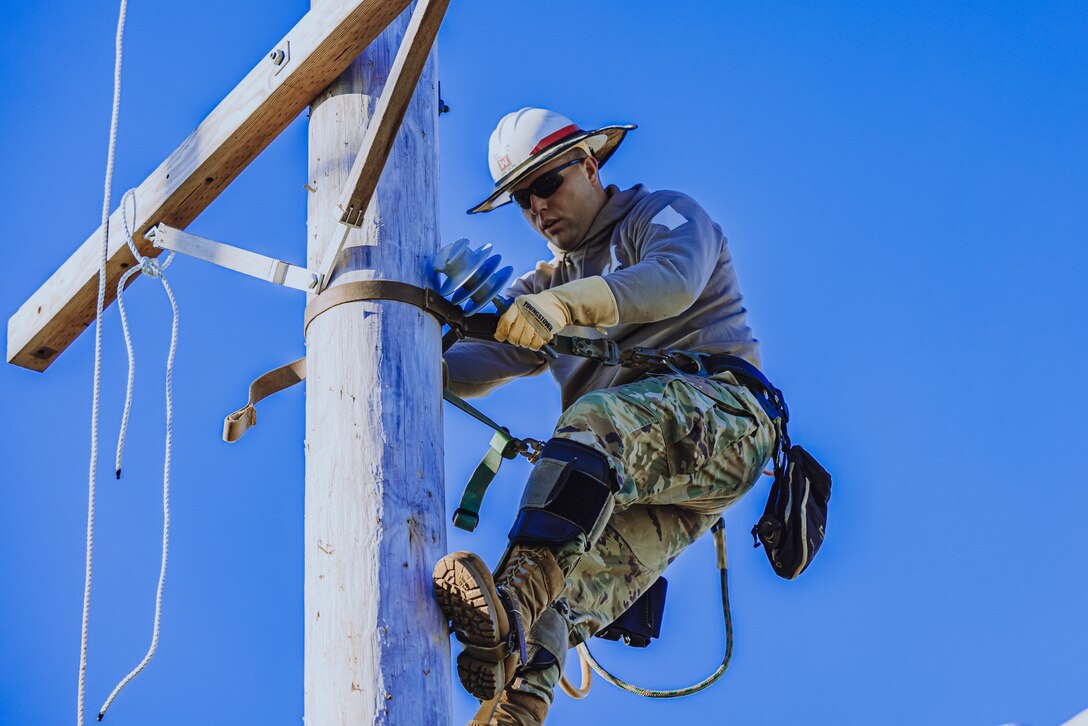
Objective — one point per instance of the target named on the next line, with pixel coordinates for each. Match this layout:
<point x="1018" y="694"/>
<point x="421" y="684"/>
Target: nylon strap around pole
<point x="423" y="298"/>
<point x="274" y="381"/>
<point x="502" y="446"/>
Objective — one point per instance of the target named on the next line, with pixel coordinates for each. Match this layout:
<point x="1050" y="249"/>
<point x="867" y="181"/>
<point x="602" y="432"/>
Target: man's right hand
<point x="532" y="320"/>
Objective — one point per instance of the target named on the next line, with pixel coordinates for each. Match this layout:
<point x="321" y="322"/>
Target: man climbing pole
<point x="642" y="462"/>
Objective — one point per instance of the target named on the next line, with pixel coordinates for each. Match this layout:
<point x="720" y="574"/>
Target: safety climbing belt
<point x="505" y="446"/>
<point x="427" y="300"/>
<point x="502" y="445"/>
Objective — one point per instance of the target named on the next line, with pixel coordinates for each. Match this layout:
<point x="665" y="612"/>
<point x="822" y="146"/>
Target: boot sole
<point x="465" y="593"/>
<point x="484" y="679"/>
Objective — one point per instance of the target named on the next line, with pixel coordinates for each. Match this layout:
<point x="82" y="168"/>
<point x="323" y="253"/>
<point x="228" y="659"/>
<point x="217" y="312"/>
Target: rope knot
<point x="151" y="267"/>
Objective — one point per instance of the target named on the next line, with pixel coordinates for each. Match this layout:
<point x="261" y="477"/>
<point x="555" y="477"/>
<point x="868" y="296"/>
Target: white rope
<point x="98" y="358"/>
<point x="152" y="268"/>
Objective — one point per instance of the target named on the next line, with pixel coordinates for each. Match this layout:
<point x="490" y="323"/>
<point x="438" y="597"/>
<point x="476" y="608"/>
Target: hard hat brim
<point x="603" y="142"/>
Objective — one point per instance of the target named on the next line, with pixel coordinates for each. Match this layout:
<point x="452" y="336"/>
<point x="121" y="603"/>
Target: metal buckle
<point x="676" y="361"/>
<point x="644" y="358"/>
<point x="602" y="349"/>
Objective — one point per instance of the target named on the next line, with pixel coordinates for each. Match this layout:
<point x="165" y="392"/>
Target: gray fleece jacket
<point x="668" y="266"/>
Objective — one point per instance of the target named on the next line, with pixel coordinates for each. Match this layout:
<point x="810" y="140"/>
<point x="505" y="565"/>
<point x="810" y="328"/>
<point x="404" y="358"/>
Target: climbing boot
<point x="514" y="708"/>
<point x="492" y="616"/>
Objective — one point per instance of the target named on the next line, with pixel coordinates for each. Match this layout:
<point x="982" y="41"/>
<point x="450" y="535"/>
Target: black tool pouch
<point x="642" y="621"/>
<point x="792" y="526"/>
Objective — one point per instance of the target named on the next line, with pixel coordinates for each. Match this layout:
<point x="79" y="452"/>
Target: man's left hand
<point x="533" y="320"/>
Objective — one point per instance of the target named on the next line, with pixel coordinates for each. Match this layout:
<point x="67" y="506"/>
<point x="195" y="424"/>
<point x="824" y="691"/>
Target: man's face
<point x="564" y="217"/>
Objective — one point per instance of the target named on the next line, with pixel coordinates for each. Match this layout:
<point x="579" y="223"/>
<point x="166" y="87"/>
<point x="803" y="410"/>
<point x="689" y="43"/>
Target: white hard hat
<point x="525" y="139"/>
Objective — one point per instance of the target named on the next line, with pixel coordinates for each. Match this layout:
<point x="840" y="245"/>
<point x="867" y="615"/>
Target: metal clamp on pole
<point x="363" y="178"/>
<point x="352" y="218"/>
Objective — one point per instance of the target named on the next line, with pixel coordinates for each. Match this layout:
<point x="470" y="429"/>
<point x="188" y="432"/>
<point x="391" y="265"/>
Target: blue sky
<point x="905" y="190"/>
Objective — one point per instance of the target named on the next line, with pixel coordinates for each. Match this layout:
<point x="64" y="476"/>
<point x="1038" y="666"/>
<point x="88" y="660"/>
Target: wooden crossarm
<point x="327" y="39"/>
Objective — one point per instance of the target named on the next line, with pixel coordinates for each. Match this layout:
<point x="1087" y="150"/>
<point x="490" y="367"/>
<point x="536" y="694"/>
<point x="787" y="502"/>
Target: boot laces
<point x="522" y="562"/>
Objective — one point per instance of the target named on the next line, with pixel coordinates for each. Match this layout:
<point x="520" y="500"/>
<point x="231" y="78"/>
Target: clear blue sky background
<point x="905" y="190"/>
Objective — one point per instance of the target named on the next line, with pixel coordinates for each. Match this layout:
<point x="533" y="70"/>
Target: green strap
<point x="471" y="410"/>
<point x="503" y="446"/>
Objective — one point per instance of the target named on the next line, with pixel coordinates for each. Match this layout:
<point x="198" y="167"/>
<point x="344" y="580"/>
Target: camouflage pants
<point x="684" y="449"/>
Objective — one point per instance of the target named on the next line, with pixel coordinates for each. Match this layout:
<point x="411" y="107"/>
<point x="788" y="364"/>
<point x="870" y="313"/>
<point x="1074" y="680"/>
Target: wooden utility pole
<point x="376" y="647"/>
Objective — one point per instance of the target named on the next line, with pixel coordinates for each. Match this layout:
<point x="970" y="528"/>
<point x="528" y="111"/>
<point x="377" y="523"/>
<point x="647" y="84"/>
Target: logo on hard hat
<point x="504" y="163"/>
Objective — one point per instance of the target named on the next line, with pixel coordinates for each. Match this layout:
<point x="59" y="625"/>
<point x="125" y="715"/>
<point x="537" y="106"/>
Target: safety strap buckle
<point x="603" y="350"/>
<point x="465" y="519"/>
<point x="684" y="362"/>
<point x="644" y="358"/>
<point x="689" y="362"/>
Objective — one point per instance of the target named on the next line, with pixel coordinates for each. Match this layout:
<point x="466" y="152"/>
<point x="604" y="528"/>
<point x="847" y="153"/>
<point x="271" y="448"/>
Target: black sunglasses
<point x="543" y="186"/>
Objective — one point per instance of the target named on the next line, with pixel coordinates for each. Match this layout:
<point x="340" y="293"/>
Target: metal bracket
<point x="352" y="218"/>
<point x="362" y="181"/>
<point x="233" y="258"/>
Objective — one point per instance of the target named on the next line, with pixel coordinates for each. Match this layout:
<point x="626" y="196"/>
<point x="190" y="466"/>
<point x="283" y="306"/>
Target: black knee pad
<point x="569" y="493"/>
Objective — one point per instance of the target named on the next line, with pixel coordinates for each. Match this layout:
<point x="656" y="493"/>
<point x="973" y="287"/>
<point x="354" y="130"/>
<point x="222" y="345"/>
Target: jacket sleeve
<point x="676" y="247"/>
<point x="475" y="367"/>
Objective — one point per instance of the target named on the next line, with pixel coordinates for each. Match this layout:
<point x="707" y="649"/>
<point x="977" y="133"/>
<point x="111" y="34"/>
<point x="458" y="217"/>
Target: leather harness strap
<point x="288" y="375"/>
<point x="264" y="386"/>
<point x="423" y="298"/>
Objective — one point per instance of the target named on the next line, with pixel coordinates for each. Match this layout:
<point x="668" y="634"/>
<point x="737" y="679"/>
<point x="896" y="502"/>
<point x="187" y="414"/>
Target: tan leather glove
<point x="533" y="320"/>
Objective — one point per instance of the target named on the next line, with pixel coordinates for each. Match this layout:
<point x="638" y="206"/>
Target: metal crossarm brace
<point x="382" y="131"/>
<point x="233" y="258"/>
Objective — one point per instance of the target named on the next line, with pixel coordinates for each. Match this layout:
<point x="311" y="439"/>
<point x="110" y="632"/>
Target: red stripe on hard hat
<point x="555" y="136"/>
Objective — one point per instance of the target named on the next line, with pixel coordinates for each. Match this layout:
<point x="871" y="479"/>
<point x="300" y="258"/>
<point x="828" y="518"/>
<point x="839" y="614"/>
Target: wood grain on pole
<point x="376" y="648"/>
<point x="261" y="106"/>
<point x="396" y="93"/>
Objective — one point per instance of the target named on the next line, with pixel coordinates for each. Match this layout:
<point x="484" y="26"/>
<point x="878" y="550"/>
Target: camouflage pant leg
<point x="684" y="449"/>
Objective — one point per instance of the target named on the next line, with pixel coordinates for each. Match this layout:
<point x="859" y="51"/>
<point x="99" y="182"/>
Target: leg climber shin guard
<point x="547" y="642"/>
<point x="568" y="495"/>
<point x="505" y="620"/>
